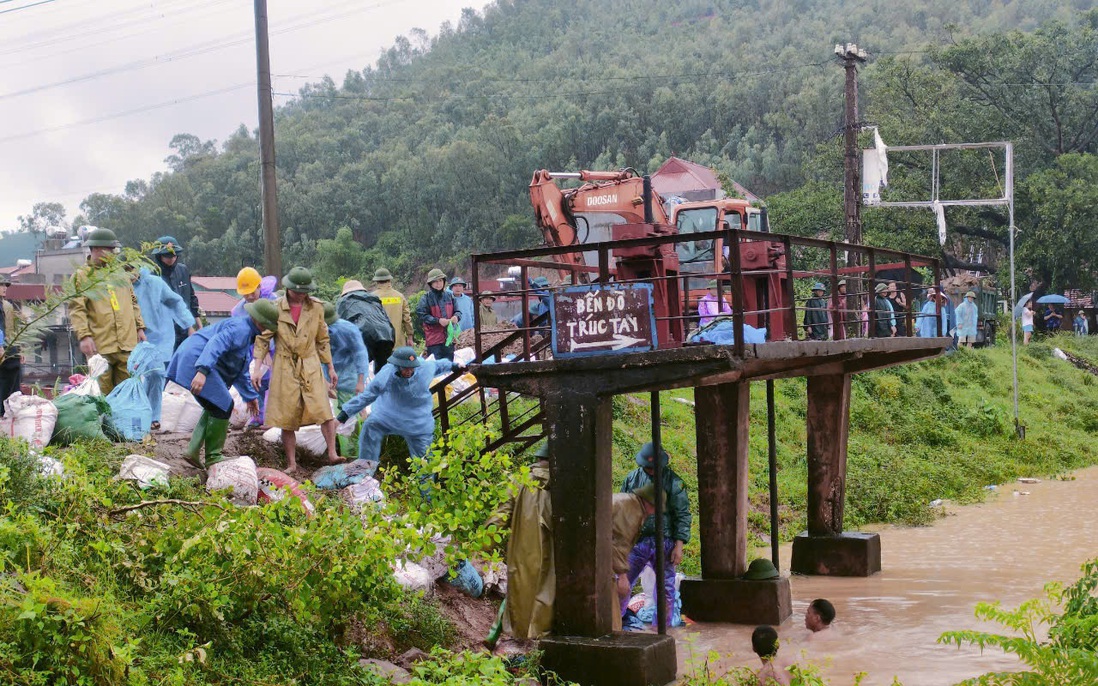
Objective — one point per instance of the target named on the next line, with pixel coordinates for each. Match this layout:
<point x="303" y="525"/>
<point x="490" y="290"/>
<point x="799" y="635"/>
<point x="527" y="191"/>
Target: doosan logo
<point x="596" y="200"/>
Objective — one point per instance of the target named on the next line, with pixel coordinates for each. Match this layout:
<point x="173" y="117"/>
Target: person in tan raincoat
<point x="396" y="306"/>
<point x="629" y="512"/>
<point x="531" y="575"/>
<point x="299" y="393"/>
<point x="107" y="323"/>
<point x="488" y="317"/>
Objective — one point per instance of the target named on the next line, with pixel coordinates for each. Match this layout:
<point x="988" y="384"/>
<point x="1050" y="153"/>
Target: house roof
<point x="214" y="283"/>
<point x="677" y="176"/>
<point x="17" y="270"/>
<point x="216" y="302"/>
<point x="28" y="291"/>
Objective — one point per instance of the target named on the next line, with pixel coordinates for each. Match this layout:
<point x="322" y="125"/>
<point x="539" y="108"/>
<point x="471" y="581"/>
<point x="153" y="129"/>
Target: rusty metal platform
<point x="707" y="365"/>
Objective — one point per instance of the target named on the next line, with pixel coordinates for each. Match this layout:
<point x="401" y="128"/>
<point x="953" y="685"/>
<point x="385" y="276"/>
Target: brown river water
<point x="887" y="625"/>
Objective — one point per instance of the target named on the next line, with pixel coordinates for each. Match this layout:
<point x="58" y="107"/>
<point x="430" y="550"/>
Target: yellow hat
<point x="247" y="280"/>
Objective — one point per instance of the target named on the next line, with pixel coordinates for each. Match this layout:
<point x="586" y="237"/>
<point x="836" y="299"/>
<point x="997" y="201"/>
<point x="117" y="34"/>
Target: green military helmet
<point x="646" y="456"/>
<point x="167" y="245"/>
<point x="458" y="280"/>
<point x="381" y="274"/>
<point x="263" y="311"/>
<point x="648" y="494"/>
<point x="405" y="356"/>
<point x="300" y="280"/>
<point x="330" y="316"/>
<point x="435" y="274"/>
<point x="101" y="238"/>
<point x="542" y="453"/>
<point x="761" y="569"/>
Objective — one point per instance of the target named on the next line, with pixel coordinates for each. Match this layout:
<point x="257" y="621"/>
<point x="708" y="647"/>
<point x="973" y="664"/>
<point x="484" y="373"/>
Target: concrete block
<point x="629" y="659"/>
<point x="848" y="554"/>
<point x="737" y="601"/>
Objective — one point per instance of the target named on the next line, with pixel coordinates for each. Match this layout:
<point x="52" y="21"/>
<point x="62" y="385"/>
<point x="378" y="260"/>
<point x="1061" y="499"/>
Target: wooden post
<point x="722" y="415"/>
<point x="828" y="426"/>
<point x="272" y="242"/>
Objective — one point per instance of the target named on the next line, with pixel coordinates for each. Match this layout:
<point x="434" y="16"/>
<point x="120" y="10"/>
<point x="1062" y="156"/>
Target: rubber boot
<point x="194" y="448"/>
<point x="217" y="430"/>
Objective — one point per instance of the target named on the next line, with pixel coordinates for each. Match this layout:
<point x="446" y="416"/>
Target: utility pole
<point x="272" y="243"/>
<point x="850" y="55"/>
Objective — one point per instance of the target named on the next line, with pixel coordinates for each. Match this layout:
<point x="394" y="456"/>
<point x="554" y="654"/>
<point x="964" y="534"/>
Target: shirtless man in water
<point x="818" y="618"/>
<point x="764" y="641"/>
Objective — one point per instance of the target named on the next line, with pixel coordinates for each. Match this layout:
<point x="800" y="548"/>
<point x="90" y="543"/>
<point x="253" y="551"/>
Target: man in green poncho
<point x="815" y="314"/>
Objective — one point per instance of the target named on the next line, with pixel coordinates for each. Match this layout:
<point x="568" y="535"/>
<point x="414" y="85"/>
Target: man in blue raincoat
<point x="208" y="363"/>
<point x="352" y="364"/>
<point x="400" y="403"/>
<point x="163" y="310"/>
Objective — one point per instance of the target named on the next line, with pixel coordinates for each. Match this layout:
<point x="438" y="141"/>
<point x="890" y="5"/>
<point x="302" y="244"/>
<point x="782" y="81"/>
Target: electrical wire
<point x="27" y="7"/>
<point x="302" y="21"/>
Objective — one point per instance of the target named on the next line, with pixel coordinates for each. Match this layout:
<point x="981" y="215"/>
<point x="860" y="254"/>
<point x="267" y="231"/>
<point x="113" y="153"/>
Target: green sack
<point x="79" y="417"/>
<point x="452" y="332"/>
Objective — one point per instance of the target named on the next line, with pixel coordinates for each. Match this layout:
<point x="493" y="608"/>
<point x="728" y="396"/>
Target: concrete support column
<point x="825" y="549"/>
<point x="580" y="436"/>
<point x="722" y="417"/>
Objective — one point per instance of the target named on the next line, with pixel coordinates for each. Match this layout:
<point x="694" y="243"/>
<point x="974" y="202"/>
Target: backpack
<point x="367" y="313"/>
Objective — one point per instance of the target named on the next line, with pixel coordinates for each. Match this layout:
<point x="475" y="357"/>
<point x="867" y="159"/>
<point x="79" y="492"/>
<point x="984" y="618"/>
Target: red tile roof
<point x="1079" y="299"/>
<point x="28" y="291"/>
<point x="215" y="283"/>
<point x="677" y="176"/>
<point x="216" y="302"/>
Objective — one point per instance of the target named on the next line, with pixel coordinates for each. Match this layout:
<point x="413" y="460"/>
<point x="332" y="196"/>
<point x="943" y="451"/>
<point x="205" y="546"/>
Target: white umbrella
<point x="1021" y="304"/>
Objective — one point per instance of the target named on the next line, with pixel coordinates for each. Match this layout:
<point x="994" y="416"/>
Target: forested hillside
<point x="425" y="156"/>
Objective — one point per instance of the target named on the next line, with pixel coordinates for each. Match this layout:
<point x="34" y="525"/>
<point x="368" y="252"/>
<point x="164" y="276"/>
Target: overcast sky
<point x="92" y="91"/>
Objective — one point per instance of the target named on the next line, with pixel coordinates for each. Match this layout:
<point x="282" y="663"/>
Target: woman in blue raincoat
<point x="400" y="403"/>
<point x="210" y="361"/>
<point x="926" y="327"/>
<point x="163" y="310"/>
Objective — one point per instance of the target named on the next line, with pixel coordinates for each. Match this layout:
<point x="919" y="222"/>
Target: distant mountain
<point x="426" y="155"/>
<point x="17" y="246"/>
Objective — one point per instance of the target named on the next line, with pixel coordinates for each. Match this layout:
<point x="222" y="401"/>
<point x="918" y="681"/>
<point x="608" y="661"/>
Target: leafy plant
<point x="1068" y="656"/>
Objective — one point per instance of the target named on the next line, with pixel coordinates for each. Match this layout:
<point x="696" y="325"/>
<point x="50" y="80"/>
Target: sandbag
<point x="145" y="471"/>
<point x="466" y="579"/>
<point x="240" y="416"/>
<point x="131" y="411"/>
<point x="359" y="494"/>
<point x="275" y="485"/>
<point x="29" y="417"/>
<point x="310" y="439"/>
<point x="239" y="476"/>
<point x="97" y="366"/>
<point x="145" y="358"/>
<point x="411" y="576"/>
<point x="79" y="417"/>
<point x="336" y="476"/>
<point x="179" y="411"/>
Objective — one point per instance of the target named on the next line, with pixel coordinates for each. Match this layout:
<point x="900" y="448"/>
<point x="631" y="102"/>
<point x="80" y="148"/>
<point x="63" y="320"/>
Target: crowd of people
<point x="284" y="351"/>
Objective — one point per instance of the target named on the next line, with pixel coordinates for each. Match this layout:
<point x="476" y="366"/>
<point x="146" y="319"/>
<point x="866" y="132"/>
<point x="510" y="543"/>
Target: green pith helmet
<point x="761" y="569"/>
<point x="299" y="279"/>
<point x="435" y="275"/>
<point x="712" y="284"/>
<point x="263" y="311"/>
<point x="5" y="280"/>
<point x="330" y="316"/>
<point x="646" y="456"/>
<point x="405" y="356"/>
<point x="167" y="245"/>
<point x="456" y="280"/>
<point x="542" y="453"/>
<point x="970" y="294"/>
<point x="880" y="287"/>
<point x="101" y="238"/>
<point x="648" y="494"/>
<point x="382" y="274"/>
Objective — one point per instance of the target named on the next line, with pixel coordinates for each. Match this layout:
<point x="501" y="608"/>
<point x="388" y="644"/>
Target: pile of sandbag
<point x="146" y="471"/>
<point x="310" y="439"/>
<point x="81" y="417"/>
<point x="238" y="476"/>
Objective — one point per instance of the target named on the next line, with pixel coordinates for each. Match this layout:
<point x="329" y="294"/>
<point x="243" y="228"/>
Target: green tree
<point x="43" y="216"/>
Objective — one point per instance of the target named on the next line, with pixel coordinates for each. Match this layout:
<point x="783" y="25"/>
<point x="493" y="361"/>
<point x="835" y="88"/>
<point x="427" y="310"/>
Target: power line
<point x="26" y="7"/>
<point x="126" y="113"/>
<point x="303" y="21"/>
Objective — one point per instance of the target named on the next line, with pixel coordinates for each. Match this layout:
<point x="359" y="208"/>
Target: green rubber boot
<point x="194" y="448"/>
<point x="217" y="430"/>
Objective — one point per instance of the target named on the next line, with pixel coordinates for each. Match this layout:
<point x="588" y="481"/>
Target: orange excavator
<point x="617" y="205"/>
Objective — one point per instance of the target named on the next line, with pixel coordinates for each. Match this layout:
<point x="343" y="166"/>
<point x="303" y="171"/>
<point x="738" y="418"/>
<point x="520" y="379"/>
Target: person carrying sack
<point x="211" y="360"/>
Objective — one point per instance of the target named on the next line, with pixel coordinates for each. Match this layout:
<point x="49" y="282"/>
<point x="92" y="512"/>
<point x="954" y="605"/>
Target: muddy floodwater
<point x="887" y="625"/>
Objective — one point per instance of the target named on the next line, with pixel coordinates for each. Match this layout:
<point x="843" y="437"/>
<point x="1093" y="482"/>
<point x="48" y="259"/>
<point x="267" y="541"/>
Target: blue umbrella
<point x="1052" y="299"/>
<point x="1021" y="304"/>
